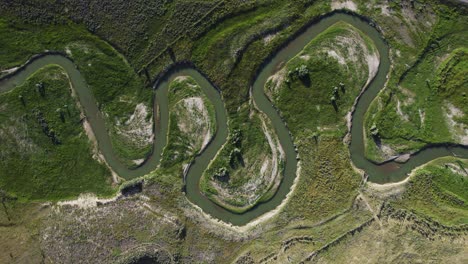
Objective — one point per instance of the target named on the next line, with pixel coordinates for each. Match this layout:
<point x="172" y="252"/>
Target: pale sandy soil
<point x="181" y="78"/>
<point x="332" y="53"/>
<point x="199" y="115"/>
<point x="268" y="38"/>
<point x="277" y="152"/>
<point x="276" y="80"/>
<point x="138" y="161"/>
<point x="336" y="4"/>
<point x="305" y="57"/>
<point x="455" y="168"/>
<point x="138" y="128"/>
<point x="373" y="62"/>
<point x="458" y="131"/>
<point x="400" y="112"/>
<point x="8" y="71"/>
<point x="88" y="200"/>
<point x="422" y="117"/>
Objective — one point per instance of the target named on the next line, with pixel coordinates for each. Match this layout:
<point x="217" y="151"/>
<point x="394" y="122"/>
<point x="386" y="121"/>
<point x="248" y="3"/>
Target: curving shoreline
<point x="386" y="172"/>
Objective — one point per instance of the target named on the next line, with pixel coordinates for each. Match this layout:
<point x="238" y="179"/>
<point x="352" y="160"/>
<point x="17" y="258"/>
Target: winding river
<point x="383" y="173"/>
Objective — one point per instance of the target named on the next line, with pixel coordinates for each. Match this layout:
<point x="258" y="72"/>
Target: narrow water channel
<point x="387" y="172"/>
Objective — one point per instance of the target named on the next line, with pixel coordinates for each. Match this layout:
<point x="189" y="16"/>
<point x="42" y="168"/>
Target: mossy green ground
<point x="33" y="167"/>
<point x="306" y="103"/>
<point x="115" y="85"/>
<point x="414" y="111"/>
<point x="327" y="182"/>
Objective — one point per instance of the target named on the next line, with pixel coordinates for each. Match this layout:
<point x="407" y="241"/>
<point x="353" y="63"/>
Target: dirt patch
<point x="277" y="154"/>
<point x="305" y="57"/>
<point x="68" y="51"/>
<point x="138" y="161"/>
<point x="268" y="38"/>
<point x="138" y="128"/>
<point x="400" y="112"/>
<point x="373" y="62"/>
<point x="422" y="116"/>
<point x="97" y="155"/>
<point x="459" y="131"/>
<point x="104" y="231"/>
<point x="403" y="158"/>
<point x="181" y="78"/>
<point x="275" y="81"/>
<point x="456" y="168"/>
<point x="338" y="57"/>
<point x="387" y="151"/>
<point x="87" y="200"/>
<point x="343" y="5"/>
<point x="8" y="71"/>
<point x="351" y="49"/>
<point x="197" y="121"/>
<point x="81" y="46"/>
<point x="386" y="11"/>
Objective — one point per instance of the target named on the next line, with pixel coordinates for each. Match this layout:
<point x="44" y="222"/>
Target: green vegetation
<point x="326" y="92"/>
<point x="316" y="88"/>
<point x="255" y="37"/>
<point x="192" y="122"/>
<point x="231" y="37"/>
<point x="302" y="90"/>
<point x="427" y="104"/>
<point x="245" y="162"/>
<point x="120" y="95"/>
<point x="452" y="80"/>
<point x="45" y="152"/>
<point x="116" y="87"/>
<point x="327" y="182"/>
<point x="303" y="237"/>
<point x="243" y="42"/>
<point x="438" y="191"/>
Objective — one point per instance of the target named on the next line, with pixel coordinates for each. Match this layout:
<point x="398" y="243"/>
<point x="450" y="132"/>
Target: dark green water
<point x="387" y="172"/>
